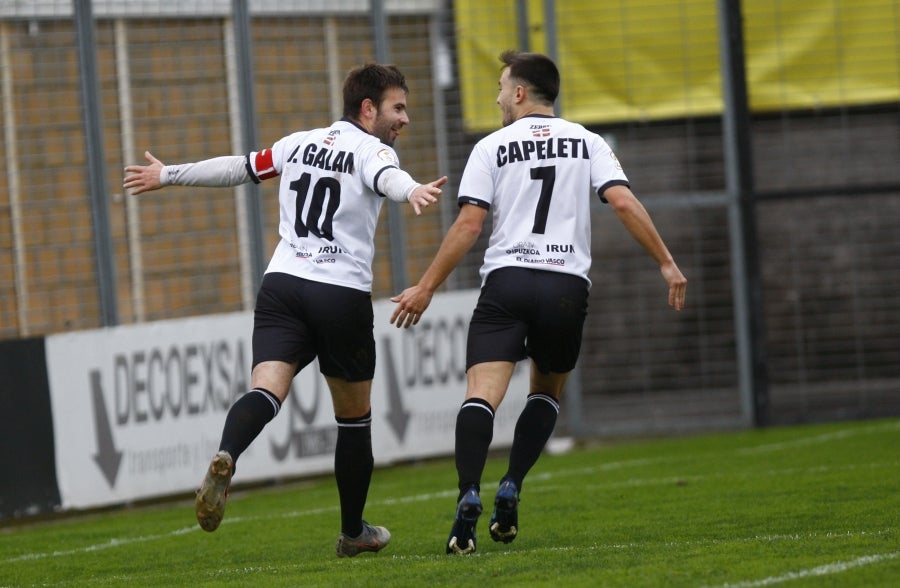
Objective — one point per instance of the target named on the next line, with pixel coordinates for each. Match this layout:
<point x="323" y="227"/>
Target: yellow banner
<point x="659" y="59"/>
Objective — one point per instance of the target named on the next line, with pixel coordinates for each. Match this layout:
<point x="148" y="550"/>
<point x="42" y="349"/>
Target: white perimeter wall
<point x="138" y="410"/>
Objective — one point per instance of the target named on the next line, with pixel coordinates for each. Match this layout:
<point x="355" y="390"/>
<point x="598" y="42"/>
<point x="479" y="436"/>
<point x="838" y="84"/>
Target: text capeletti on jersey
<point x="542" y="149"/>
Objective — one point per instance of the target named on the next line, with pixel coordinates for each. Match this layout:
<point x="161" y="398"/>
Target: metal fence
<point x="88" y="86"/>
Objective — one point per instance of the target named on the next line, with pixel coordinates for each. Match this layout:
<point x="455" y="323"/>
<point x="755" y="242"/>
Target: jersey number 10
<point x="317" y="221"/>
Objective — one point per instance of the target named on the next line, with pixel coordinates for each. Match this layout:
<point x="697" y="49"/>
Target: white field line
<point x="824" y="570"/>
<point x="447" y="494"/>
<point x="545" y="476"/>
<point x="823" y="438"/>
<point x="694" y="478"/>
<point x="119" y="542"/>
<point x="230" y="521"/>
<point x="99" y="546"/>
<point x="818" y="571"/>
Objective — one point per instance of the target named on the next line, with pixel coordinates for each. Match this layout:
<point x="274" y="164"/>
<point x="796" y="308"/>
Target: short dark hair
<point x="370" y="81"/>
<point x="537" y="71"/>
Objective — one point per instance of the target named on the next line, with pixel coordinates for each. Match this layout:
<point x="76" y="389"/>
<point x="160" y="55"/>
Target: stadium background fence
<point x="88" y="86"/>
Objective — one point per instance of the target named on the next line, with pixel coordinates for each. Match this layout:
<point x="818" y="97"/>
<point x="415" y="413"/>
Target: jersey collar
<point x="354" y="123"/>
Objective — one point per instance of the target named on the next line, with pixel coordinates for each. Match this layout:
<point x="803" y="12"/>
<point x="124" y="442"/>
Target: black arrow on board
<point x="397" y="415"/>
<point x="107" y="457"/>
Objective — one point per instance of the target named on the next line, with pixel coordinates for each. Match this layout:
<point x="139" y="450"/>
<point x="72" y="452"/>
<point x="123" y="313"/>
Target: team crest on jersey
<point x="540" y="130"/>
<point x="387" y="155"/>
<point x="332" y="135"/>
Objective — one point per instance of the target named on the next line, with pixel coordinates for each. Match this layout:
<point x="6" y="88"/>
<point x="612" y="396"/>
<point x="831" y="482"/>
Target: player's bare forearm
<point x="649" y="238"/>
<point x="637" y="221"/>
<point x="459" y="239"/>
<point x="412" y="302"/>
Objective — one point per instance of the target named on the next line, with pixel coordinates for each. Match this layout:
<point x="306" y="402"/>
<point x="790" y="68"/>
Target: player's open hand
<point x="677" y="284"/>
<point x="411" y="303"/>
<point x="143" y="178"/>
<point x="426" y="194"/>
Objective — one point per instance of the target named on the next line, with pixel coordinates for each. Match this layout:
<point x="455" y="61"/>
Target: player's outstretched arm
<point x="143" y="178"/>
<point x="426" y="194"/>
<point x="413" y="301"/>
<point x="399" y="186"/>
<point x="217" y="172"/>
<point x="634" y="216"/>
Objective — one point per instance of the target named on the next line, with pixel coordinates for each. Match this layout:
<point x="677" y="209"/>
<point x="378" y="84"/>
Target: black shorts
<point x="523" y="312"/>
<point x="296" y="320"/>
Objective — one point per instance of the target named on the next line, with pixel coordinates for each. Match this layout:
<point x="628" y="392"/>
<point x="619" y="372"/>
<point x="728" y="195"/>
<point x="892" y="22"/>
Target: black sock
<point x="246" y="419"/>
<point x="474" y="432"/>
<point x="353" y="465"/>
<point x="533" y="429"/>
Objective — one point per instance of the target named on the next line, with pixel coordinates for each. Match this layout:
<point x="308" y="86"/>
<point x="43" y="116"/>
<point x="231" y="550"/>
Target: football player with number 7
<point x="315" y="299"/>
<point x="536" y="176"/>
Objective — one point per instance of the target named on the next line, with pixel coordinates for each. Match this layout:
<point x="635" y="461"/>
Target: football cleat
<point x="213" y="492"/>
<point x="371" y="539"/>
<point x="505" y="520"/>
<point x="462" y="536"/>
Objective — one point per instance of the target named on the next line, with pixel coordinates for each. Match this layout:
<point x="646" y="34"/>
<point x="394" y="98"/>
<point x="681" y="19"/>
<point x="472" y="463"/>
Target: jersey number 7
<point x="547" y="176"/>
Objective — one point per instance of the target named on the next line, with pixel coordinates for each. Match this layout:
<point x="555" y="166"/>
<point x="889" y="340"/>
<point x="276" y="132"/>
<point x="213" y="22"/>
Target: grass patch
<point x="814" y="505"/>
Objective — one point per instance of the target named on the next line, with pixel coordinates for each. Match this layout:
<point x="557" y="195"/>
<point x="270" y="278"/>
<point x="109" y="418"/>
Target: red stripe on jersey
<point x="265" y="167"/>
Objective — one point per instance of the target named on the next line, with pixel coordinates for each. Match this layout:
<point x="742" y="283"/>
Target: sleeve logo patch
<point x="387" y="155"/>
<point x="615" y="160"/>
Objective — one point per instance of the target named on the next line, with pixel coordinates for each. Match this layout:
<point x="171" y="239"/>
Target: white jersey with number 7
<point x="537" y="177"/>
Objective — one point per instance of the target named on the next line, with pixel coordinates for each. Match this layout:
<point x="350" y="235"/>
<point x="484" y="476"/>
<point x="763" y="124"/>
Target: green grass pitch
<point x="804" y="506"/>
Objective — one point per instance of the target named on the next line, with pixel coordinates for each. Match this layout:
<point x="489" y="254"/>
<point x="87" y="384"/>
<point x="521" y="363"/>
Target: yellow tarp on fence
<point x="658" y="59"/>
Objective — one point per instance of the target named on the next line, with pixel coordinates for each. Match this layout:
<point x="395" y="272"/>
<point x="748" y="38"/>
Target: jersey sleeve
<point x="606" y="171"/>
<point x="227" y="170"/>
<point x="375" y="158"/>
<point x="268" y="163"/>
<point x="477" y="183"/>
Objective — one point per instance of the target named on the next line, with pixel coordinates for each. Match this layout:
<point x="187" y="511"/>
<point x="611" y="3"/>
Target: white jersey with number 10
<point x="537" y="176"/>
<point x="328" y="201"/>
